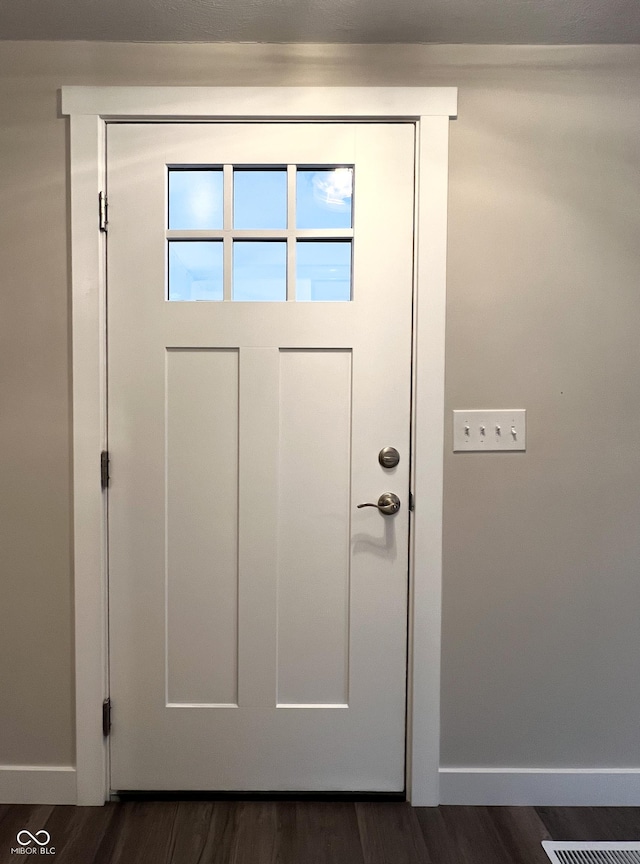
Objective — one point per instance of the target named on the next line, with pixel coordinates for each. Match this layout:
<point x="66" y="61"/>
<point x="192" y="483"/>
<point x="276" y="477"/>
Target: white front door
<point x="259" y="345"/>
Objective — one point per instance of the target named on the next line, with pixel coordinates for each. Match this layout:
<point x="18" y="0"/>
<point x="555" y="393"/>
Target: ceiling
<point x="448" y="21"/>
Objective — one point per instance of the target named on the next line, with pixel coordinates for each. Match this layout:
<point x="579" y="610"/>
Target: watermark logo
<point x="33" y="844"/>
<point x="25" y="837"/>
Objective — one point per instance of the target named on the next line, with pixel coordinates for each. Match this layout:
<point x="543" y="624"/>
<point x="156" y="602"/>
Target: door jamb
<point x="89" y="109"/>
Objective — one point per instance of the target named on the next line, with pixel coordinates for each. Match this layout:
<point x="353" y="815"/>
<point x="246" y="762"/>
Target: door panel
<point x="313" y="527"/>
<point x="257" y="617"/>
<point x="202" y="525"/>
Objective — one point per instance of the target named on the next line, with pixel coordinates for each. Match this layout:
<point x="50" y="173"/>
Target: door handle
<point x="388" y="504"/>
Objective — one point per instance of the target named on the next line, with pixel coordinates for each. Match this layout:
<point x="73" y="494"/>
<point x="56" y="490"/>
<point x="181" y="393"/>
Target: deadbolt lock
<point x="388" y="457"/>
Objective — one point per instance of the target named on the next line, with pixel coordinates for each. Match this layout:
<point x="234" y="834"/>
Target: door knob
<point x="388" y="504"/>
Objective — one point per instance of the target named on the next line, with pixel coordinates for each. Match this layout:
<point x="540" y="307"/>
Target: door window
<point x="195" y="199"/>
<point x="260" y="233"/>
<point x="195" y="270"/>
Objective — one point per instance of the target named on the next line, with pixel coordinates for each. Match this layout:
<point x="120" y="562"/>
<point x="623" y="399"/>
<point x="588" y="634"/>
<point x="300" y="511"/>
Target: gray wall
<point x="541" y="626"/>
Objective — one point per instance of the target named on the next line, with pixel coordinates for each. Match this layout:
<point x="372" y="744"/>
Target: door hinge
<point x="106" y="717"/>
<point x="104" y="469"/>
<point x="412" y="502"/>
<point x="103" y="220"/>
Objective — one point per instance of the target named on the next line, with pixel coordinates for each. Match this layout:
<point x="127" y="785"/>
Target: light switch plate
<point x="489" y="430"/>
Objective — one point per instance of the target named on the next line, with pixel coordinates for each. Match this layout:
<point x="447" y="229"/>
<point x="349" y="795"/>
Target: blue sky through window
<point x="195" y="270"/>
<point x="259" y="270"/>
<point x="195" y="199"/>
<point x="323" y="270"/>
<point x="324" y="198"/>
<point x="259" y="199"/>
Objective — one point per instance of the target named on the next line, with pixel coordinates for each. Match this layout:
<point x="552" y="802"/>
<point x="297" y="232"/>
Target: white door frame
<point x="89" y="109"/>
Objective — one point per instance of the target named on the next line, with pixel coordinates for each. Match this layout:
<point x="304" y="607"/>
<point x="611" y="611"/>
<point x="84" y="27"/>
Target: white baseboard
<point x="541" y="787"/>
<point x="532" y="787"/>
<point x="37" y="784"/>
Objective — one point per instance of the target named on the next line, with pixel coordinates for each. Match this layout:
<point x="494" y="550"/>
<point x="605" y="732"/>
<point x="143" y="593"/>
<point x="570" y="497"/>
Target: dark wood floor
<point x="303" y="832"/>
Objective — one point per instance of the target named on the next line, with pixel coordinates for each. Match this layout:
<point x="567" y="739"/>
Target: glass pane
<point x="259" y="270"/>
<point x="195" y="270"/>
<point x="323" y="270"/>
<point x="323" y="198"/>
<point x="259" y="199"/>
<point x="195" y="199"/>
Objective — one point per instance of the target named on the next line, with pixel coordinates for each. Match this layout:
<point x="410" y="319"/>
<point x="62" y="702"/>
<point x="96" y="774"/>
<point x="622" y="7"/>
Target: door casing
<point x="89" y="110"/>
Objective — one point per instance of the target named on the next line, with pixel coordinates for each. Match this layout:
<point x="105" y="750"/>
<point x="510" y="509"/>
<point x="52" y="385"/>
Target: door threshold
<point x="177" y="795"/>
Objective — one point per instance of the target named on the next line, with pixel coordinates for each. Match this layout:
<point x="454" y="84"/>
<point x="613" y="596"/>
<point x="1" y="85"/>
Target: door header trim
<point x="89" y="110"/>
<point x="261" y="103"/>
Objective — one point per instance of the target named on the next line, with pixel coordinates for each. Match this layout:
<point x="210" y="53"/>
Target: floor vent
<point x="592" y="853"/>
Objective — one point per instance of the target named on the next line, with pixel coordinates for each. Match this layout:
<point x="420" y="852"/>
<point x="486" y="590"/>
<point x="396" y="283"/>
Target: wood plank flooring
<point x="306" y="832"/>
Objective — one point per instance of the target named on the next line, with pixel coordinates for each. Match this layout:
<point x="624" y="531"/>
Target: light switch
<point x="489" y="430"/>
